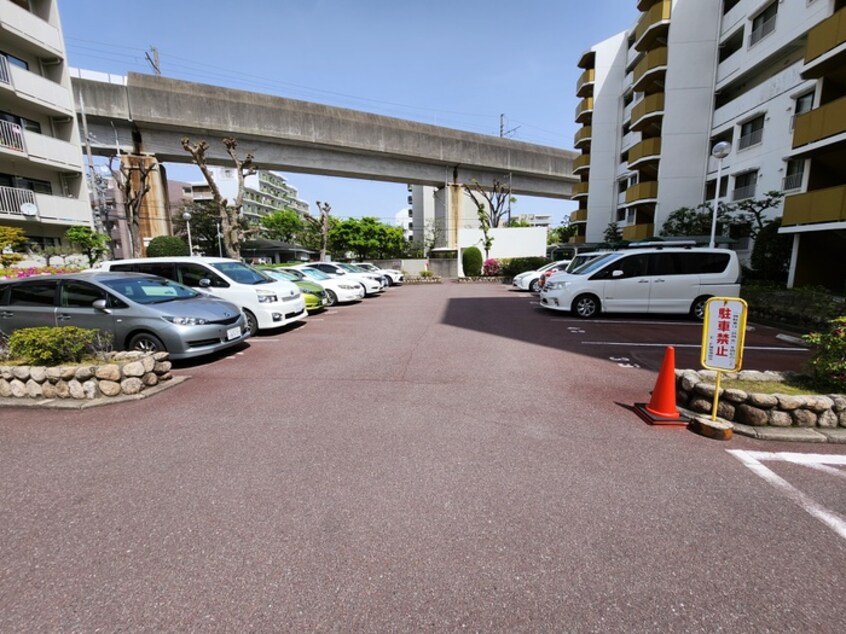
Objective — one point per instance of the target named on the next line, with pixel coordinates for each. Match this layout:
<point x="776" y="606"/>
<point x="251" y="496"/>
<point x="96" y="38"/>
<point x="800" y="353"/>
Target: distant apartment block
<point x="404" y="218"/>
<point x="43" y="188"/>
<point x="768" y="77"/>
<point x="264" y="192"/>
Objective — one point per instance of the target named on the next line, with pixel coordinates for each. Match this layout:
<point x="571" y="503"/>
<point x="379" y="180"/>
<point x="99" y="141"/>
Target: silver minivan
<point x="140" y="312"/>
<point x="646" y="280"/>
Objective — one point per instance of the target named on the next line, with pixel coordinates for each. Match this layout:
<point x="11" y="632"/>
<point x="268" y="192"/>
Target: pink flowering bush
<point x="491" y="267"/>
<point x="14" y="272"/>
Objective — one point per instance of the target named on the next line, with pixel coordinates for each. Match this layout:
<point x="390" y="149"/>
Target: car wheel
<point x="390" y="280"/>
<point x="533" y="286"/>
<point x="252" y="322"/>
<point x="697" y="309"/>
<point x="331" y="298"/>
<point x="146" y="342"/>
<point x="586" y="306"/>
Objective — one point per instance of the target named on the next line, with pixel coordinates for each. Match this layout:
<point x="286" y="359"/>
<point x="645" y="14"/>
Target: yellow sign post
<point x="723" y="334"/>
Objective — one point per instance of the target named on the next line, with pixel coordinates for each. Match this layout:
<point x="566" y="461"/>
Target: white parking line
<point x="753" y="460"/>
<point x="625" y="321"/>
<point x="684" y="345"/>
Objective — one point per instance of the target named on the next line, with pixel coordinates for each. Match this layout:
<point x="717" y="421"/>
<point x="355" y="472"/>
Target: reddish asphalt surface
<point x="441" y="458"/>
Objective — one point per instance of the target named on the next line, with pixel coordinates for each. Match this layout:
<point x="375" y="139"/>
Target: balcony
<point x="584" y="110"/>
<point x="792" y="181"/>
<point x="646" y="191"/>
<point x="582" y="163"/>
<point x="762" y="31"/>
<point x="51" y="97"/>
<point x="580" y="190"/>
<point x="39" y="37"/>
<point x="578" y="216"/>
<point x="820" y="205"/>
<point x="751" y="138"/>
<point x="820" y="123"/>
<point x="53" y="152"/>
<point x="742" y="193"/>
<point x="584" y="87"/>
<point x="11" y="137"/>
<point x="653" y="25"/>
<point x="582" y="138"/>
<point x="645" y="151"/>
<point x="638" y="232"/>
<point x="647" y="110"/>
<point x="649" y="72"/>
<point x="587" y="60"/>
<point x="824" y="40"/>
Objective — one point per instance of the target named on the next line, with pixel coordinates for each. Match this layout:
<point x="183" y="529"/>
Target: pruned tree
<point x="752" y="213"/>
<point x="485" y="226"/>
<point x="233" y="229"/>
<point x="320" y="226"/>
<point x="131" y="176"/>
<point x="687" y="221"/>
<point x="493" y="200"/>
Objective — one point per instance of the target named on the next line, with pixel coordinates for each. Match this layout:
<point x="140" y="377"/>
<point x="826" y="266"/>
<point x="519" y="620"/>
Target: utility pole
<point x="99" y="203"/>
<point x="502" y="131"/>
<point x="154" y="60"/>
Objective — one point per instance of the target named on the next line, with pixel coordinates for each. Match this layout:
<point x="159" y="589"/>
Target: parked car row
<point x="652" y="279"/>
<point x="187" y="306"/>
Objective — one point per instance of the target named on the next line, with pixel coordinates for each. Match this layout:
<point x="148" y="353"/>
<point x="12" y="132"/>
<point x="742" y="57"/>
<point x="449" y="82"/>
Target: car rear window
<point x="150" y="290"/>
<point x="41" y="293"/>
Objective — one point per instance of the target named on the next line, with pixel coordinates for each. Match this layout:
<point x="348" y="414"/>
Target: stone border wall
<point x="755" y="409"/>
<point x="121" y="373"/>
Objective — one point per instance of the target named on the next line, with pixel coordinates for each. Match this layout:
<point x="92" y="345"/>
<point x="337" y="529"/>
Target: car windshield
<point x="150" y="290"/>
<point x="368" y="267"/>
<point x="596" y="263"/>
<point x="242" y="273"/>
<point x="352" y="268"/>
<point x="282" y="275"/>
<point x="315" y="274"/>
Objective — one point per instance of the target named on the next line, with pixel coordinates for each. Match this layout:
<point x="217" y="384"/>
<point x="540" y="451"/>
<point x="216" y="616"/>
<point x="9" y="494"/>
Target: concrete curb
<point x="65" y="403"/>
<point x="721" y="429"/>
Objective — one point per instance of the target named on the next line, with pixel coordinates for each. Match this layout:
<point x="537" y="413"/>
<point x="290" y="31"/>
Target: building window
<point x="793" y="175"/>
<point x="15" y="61"/>
<point x="728" y="5"/>
<point x="763" y="24"/>
<point x="744" y="185"/>
<point x="751" y="132"/>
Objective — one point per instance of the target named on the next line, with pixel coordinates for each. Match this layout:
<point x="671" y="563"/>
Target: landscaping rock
<point x="109" y="388"/>
<point x="21" y="372"/>
<point x="83" y="373"/>
<point x="706" y="389"/>
<point x="54" y="374"/>
<point x="148" y="362"/>
<point x="132" y="385"/>
<point x="48" y="390"/>
<point x="751" y="415"/>
<point x="75" y="388"/>
<point x="108" y="372"/>
<point x="33" y="389"/>
<point x="839" y="402"/>
<point x="5" y="389"/>
<point x="819" y="404"/>
<point x="134" y="369"/>
<point x="68" y="372"/>
<point x="777" y="418"/>
<point x="827" y="419"/>
<point x="789" y="403"/>
<point x="804" y="418"/>
<point x="700" y="405"/>
<point x="163" y="367"/>
<point x="150" y="379"/>
<point x="765" y="401"/>
<point x="62" y="389"/>
<point x="18" y="388"/>
<point x="38" y="374"/>
<point x="735" y="396"/>
<point x="689" y="380"/>
<point x="91" y="388"/>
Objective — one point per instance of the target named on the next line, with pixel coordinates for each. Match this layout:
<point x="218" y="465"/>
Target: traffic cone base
<point x="661" y="409"/>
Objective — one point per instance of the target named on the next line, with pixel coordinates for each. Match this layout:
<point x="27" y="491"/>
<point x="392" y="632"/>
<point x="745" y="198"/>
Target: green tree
<point x="283" y="224"/>
<point x="162" y="246"/>
<point x="696" y="221"/>
<point x="561" y="234"/>
<point x="751" y="213"/>
<point x="93" y="245"/>
<point x="205" y="221"/>
<point x="612" y="233"/>
<point x="771" y="254"/>
<point x="485" y="226"/>
<point x="11" y="239"/>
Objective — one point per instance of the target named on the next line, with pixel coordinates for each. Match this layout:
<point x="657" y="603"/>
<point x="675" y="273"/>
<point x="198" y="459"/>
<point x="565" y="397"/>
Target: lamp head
<point x="721" y="150"/>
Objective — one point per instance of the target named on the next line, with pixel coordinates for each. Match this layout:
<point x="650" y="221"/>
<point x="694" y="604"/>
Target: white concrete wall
<point x="516" y="242"/>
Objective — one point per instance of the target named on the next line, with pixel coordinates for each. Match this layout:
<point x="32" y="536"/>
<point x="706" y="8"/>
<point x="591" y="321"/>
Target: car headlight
<point x="556" y="286"/>
<point x="348" y="287"/>
<point x="186" y="321"/>
<point x="266" y="297"/>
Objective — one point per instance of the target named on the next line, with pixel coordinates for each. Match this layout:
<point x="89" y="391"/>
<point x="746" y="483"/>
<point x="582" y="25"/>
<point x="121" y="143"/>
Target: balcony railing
<point x="750" y="139"/>
<point x="826" y="36"/>
<point x="820" y="205"/>
<point x="579" y="189"/>
<point x="740" y="193"/>
<point x="12" y="198"/>
<point x="638" y="232"/>
<point x="11" y="136"/>
<point x="767" y="27"/>
<point x="820" y="123"/>
<point x="792" y="181"/>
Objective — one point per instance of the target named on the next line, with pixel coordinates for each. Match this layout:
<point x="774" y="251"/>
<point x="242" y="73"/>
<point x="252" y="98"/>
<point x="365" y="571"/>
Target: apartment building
<point x="657" y="98"/>
<point x="264" y="192"/>
<point x="43" y="189"/>
<point x="404" y="218"/>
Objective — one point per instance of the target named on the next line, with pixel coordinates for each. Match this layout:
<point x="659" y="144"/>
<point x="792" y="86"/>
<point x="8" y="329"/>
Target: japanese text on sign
<point x="723" y="333"/>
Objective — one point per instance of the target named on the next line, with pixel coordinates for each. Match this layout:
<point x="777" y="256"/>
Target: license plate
<point x="233" y="333"/>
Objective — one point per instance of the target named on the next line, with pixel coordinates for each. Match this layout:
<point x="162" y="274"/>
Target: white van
<point x="266" y="302"/>
<point x="646" y="280"/>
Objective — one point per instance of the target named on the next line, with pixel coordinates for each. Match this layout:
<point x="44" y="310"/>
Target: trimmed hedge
<point x="167" y="246"/>
<point x="471" y="262"/>
<point x="515" y="266"/>
<point x="53" y="345"/>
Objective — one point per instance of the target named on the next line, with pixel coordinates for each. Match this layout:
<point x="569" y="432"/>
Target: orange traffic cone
<point x="662" y="406"/>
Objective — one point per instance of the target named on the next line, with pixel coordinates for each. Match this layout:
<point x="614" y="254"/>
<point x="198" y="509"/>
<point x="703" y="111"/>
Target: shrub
<point x="426" y="274"/>
<point x="771" y="254"/>
<point x="471" y="262"/>
<point x="53" y="345"/>
<point x="828" y="364"/>
<point x="166" y="246"/>
<point x="515" y="266"/>
<point x="491" y="267"/>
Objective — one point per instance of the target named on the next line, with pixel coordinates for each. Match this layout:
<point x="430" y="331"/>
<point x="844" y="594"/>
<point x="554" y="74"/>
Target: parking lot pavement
<point x="445" y="457"/>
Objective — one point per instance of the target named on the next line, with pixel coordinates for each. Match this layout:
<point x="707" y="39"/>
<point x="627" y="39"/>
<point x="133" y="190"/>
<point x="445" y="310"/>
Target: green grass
<point x="794" y="387"/>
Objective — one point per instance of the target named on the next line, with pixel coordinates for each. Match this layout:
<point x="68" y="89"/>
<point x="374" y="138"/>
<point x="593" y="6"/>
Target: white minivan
<point x="646" y="280"/>
<point x="266" y="302"/>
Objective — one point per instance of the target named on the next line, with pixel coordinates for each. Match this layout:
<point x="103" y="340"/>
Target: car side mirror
<point x="99" y="304"/>
<point x="617" y="273"/>
<point x="205" y="282"/>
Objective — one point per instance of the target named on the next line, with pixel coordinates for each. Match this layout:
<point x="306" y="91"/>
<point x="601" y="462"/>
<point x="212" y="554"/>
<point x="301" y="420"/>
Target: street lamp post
<point x="219" y="245"/>
<point x="719" y="152"/>
<point x="186" y="216"/>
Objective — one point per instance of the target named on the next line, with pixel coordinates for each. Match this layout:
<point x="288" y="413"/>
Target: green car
<point x="313" y="294"/>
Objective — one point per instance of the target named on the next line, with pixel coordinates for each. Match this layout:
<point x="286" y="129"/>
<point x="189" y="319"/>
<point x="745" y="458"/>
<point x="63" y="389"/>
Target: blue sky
<point x="458" y="64"/>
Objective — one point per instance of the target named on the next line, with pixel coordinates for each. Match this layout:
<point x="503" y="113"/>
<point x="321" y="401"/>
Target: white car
<point x="267" y="303"/>
<point x="646" y="280"/>
<point x="373" y="284"/>
<point x="393" y="275"/>
<point x="338" y="291"/>
<point x="528" y="281"/>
